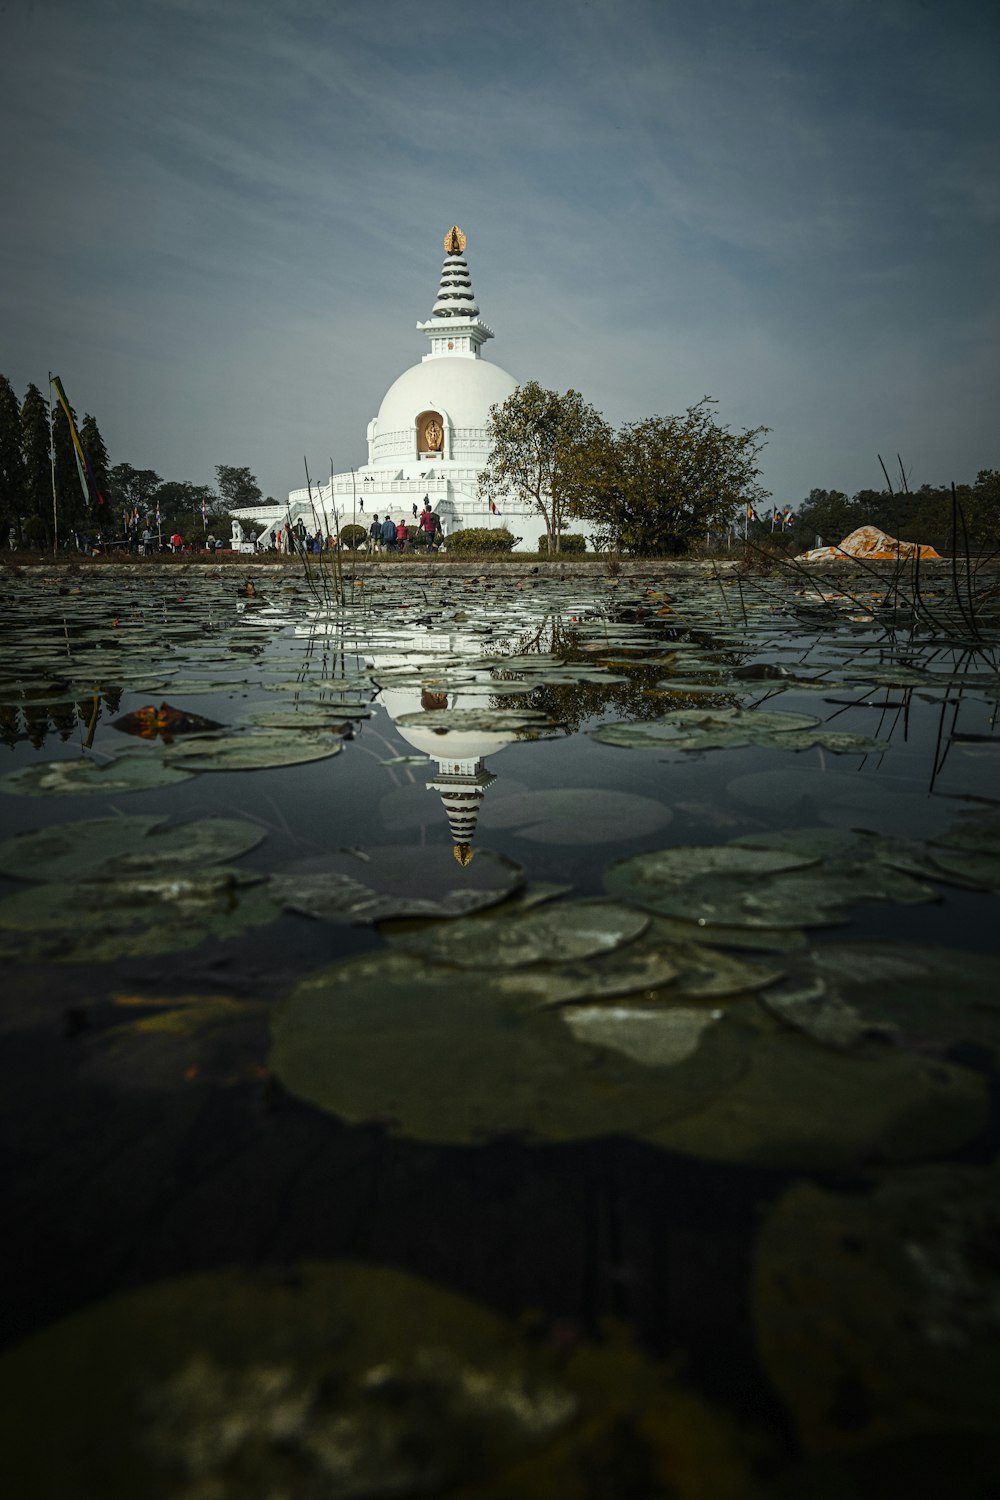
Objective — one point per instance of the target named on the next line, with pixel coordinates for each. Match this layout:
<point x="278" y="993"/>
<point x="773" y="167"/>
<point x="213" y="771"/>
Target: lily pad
<point x="71" y="778"/>
<point x="718" y="884"/>
<point x="393" y="882"/>
<point x="103" y="920"/>
<point x="443" y="1056"/>
<point x="253" y="750"/>
<point x="309" y="717"/>
<point x="121" y="845"/>
<point x="878" y="1313"/>
<point x="563" y="932"/>
<point x="338" y="1380"/>
<point x="800" y="1107"/>
<point x="476" y="720"/>
<point x="658" y="1038"/>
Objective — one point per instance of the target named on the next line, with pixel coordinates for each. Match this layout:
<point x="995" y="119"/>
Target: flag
<point x="87" y="481"/>
<point x="157" y="512"/>
<point x="751" y="513"/>
<point x="789" y="515"/>
<point x="493" y="509"/>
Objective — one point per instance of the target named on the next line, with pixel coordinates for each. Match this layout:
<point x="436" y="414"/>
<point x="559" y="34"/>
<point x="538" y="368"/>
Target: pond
<point x="499" y="1035"/>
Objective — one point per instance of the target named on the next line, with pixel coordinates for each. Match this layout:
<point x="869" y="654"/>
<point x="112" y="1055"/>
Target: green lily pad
<point x="103" y="920"/>
<point x="124" y="845"/>
<point x="656" y="1038"/>
<point x="476" y="720"/>
<point x="763" y="939"/>
<point x="309" y="717"/>
<point x="564" y="932"/>
<point x="922" y="993"/>
<point x="717" y="884"/>
<point x="391" y="882"/>
<point x="705" y="729"/>
<point x="802" y="1107"/>
<point x="971" y="866"/>
<point x="252" y="751"/>
<point x="347" y="1381"/>
<point x="442" y="1055"/>
<point x="878" y="1313"/>
<point x="137" y="772"/>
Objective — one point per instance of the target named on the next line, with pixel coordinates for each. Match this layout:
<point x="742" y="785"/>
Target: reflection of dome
<point x="461" y="388"/>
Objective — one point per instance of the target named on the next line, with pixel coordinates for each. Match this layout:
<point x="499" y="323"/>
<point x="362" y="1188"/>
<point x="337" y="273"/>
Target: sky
<point x="222" y="219"/>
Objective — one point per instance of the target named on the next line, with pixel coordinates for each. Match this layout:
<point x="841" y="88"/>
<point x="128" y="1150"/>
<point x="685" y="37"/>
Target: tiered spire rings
<point x="455" y="298"/>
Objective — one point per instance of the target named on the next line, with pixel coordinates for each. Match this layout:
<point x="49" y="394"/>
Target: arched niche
<point x="430" y="435"/>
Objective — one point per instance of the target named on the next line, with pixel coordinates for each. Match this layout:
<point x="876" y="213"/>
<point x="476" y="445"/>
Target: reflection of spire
<point x="462" y="785"/>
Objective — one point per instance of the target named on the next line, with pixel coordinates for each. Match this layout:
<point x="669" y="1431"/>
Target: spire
<point x="454" y="326"/>
<point x="454" y="298"/>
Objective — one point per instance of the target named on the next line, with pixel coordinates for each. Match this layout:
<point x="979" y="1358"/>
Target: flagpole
<point x="52" y="463"/>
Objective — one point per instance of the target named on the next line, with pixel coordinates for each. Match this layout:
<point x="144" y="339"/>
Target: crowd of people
<point x="385" y="535"/>
<point x="388" y="535"/>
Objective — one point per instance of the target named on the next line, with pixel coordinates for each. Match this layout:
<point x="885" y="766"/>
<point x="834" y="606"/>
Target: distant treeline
<point x="928" y="515"/>
<point x="111" y="501"/>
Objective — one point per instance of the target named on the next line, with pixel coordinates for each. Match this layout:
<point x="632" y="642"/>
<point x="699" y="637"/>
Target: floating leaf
<point x="559" y="933"/>
<point x="706" y="883"/>
<point x="476" y="720"/>
<point x="347" y="1381"/>
<point x="878" y="1313"/>
<point x="310" y="717"/>
<point x="445" y="1056"/>
<point x="103" y="920"/>
<point x="800" y="1107"/>
<point x="121" y="845"/>
<point x="379" y="885"/>
<point x="72" y="778"/>
<point x="253" y="750"/>
<point x="655" y="1038"/>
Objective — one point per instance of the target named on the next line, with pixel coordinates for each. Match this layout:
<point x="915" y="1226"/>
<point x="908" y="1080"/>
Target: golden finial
<point x="464" y="853"/>
<point x="454" y="241"/>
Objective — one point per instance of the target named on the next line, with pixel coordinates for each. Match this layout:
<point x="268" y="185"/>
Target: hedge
<point x="570" y="541"/>
<point x="480" y="539"/>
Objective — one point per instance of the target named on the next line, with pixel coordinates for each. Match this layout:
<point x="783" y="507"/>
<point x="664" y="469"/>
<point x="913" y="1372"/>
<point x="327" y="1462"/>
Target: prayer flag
<point x="87" y="481"/>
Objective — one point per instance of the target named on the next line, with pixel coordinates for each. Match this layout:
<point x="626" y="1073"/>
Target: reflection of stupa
<point x="462" y="776"/>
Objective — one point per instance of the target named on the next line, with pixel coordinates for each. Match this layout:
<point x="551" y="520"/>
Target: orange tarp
<point x="869" y="542"/>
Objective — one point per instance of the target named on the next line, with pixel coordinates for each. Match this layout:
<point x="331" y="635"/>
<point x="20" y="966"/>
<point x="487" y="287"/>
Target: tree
<point x="97" y="457"/>
<point x="191" y="509"/>
<point x="663" y="483"/>
<point x="35" y="439"/>
<point x="11" y="461"/>
<point x="827" y="514"/>
<point x="237" y="487"/>
<point x="539" y="442"/>
<point x="985" y="508"/>
<point x="132" y="489"/>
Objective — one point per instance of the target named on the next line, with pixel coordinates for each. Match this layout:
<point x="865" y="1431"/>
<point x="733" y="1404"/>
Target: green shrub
<point x="353" y="537"/>
<point x="476" y="539"/>
<point x="570" y="541"/>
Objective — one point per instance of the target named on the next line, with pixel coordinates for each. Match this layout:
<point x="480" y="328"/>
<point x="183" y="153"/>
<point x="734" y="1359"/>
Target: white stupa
<point x="429" y="439"/>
